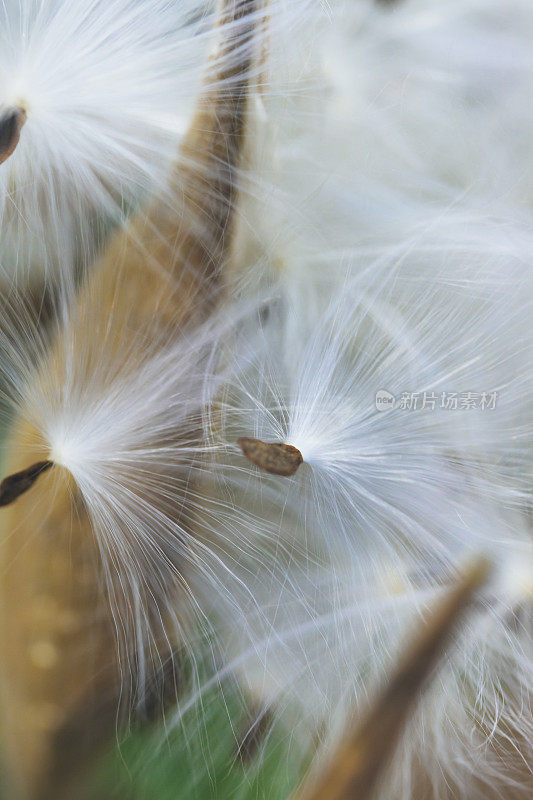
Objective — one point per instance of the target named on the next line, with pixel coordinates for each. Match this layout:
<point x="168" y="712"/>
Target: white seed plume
<point x="127" y="431"/>
<point x="399" y="232"/>
<point x="106" y="89"/>
<point x="395" y="214"/>
<point x="332" y="565"/>
<point x="89" y="386"/>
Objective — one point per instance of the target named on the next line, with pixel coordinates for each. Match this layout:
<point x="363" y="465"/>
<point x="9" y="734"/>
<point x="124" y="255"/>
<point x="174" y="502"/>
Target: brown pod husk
<point x="366" y="749"/>
<point x="61" y="677"/>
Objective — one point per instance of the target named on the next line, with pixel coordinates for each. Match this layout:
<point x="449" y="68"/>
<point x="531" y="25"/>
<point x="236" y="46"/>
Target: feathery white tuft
<point x="107" y="88"/>
<point x="395" y="215"/>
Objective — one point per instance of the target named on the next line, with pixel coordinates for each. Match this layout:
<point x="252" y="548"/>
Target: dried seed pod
<point x="273" y="457"/>
<point x="365" y="751"/>
<point x="61" y="682"/>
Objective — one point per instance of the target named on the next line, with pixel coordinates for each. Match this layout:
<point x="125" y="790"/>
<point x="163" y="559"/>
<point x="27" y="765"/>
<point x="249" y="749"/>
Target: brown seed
<point x="14" y="485"/>
<point x="278" y="459"/>
<point x="11" y="122"/>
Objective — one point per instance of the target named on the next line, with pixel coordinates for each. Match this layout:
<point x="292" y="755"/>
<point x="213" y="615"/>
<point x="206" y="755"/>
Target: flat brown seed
<point x="14" y="485"/>
<point x="11" y="122"/>
<point x="273" y="457"/>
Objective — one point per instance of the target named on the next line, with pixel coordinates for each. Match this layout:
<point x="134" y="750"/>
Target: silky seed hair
<point x="364" y="247"/>
<point x="101" y="124"/>
<point x="439" y="289"/>
<point x="112" y="351"/>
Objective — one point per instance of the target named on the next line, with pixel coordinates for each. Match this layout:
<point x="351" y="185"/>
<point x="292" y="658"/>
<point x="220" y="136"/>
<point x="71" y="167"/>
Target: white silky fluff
<point x="397" y="224"/>
<point x="127" y="430"/>
<point x="126" y="423"/>
<point x="385" y="240"/>
<point x="108" y="88"/>
<point x="384" y="507"/>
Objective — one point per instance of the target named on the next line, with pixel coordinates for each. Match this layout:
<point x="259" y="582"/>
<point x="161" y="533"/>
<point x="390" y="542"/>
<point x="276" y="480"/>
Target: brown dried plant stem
<point x="60" y="676"/>
<point x="367" y="747"/>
